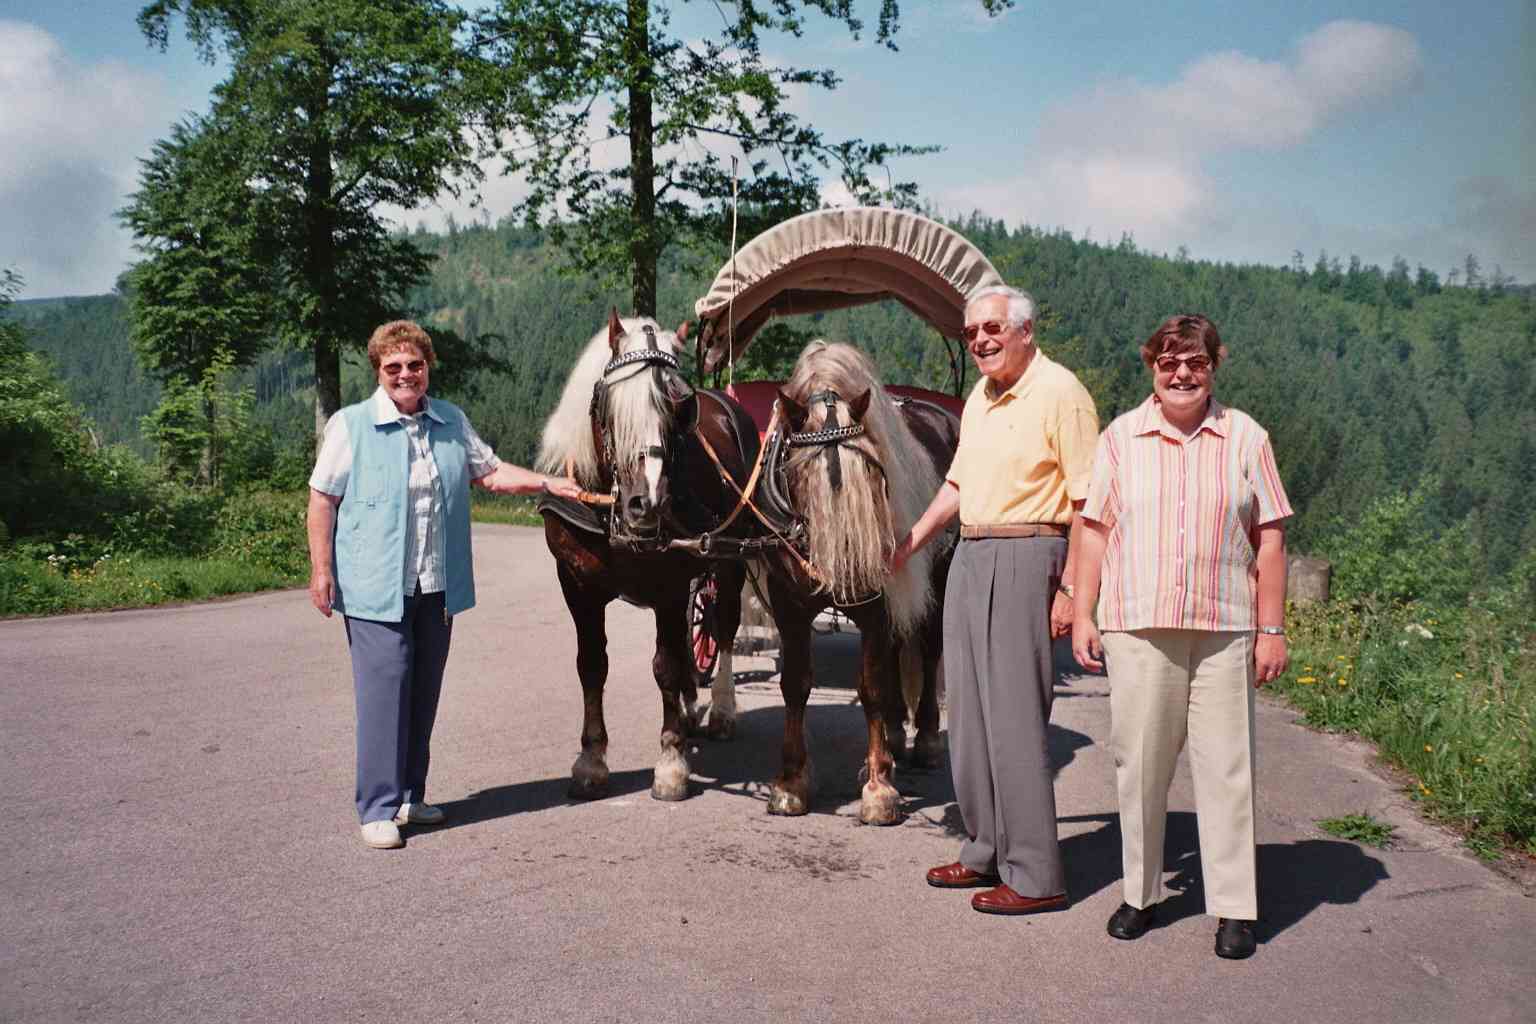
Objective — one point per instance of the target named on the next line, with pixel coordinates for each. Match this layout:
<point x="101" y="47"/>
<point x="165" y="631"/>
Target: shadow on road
<point x="837" y="738"/>
<point x="746" y="766"/>
<point x="534" y="795"/>
<point x="1294" y="878"/>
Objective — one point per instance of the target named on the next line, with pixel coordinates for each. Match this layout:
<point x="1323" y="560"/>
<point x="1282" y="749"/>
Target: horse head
<point x="839" y="422"/>
<point x="641" y="409"/>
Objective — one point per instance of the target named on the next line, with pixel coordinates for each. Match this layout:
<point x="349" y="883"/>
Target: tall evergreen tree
<point x="334" y="109"/>
<point x="203" y="287"/>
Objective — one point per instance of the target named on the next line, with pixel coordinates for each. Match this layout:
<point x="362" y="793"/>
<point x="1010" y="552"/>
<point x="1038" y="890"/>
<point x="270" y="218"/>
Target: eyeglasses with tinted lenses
<point x="393" y="369"/>
<point x="992" y="327"/>
<point x="1171" y="364"/>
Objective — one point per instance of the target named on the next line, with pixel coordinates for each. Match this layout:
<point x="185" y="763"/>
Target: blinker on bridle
<point x="832" y="436"/>
<point x="651" y="357"/>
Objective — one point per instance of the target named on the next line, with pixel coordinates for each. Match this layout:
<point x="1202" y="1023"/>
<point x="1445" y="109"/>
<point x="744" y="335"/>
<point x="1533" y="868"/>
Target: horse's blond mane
<point x="853" y="530"/>
<point x="634" y="404"/>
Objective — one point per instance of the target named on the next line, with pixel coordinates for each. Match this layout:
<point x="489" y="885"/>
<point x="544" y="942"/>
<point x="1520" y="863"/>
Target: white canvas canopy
<point x="832" y="259"/>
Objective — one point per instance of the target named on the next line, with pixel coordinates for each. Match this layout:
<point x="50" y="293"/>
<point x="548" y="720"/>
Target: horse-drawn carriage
<point x="812" y="481"/>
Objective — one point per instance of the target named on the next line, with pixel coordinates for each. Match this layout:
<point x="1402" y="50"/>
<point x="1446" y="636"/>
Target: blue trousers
<point x="397" y="673"/>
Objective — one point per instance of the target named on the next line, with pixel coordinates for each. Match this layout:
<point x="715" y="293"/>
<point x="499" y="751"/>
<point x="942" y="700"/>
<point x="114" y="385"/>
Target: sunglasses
<point x="393" y="369"/>
<point x="1171" y="364"/>
<point x="991" y="327"/>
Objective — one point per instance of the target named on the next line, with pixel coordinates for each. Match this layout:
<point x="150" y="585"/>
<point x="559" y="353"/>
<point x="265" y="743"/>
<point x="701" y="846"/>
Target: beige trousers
<point x="1169" y="687"/>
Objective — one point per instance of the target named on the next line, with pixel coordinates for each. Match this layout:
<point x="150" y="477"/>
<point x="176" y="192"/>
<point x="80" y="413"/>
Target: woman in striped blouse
<point x="1184" y="525"/>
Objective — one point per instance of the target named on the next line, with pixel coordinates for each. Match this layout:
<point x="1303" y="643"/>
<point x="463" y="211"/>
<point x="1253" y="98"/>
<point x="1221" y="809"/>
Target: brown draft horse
<point x="629" y="426"/>
<point x="860" y="472"/>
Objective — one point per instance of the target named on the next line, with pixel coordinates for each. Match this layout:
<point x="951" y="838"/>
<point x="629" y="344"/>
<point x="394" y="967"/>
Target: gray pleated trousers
<point x="1001" y="680"/>
<point x="397" y="674"/>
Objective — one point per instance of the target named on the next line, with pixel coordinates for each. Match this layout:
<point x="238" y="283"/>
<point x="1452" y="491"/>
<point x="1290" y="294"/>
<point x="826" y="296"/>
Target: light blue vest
<point x="371" y="521"/>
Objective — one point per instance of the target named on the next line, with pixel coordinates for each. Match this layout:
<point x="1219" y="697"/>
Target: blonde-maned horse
<point x="861" y="470"/>
<point x="628" y="425"/>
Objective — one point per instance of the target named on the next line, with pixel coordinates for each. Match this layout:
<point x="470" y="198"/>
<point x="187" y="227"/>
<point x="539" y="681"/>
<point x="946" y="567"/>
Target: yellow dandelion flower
<point x="1458" y="675"/>
<point x="1429" y="748"/>
<point x="1341" y="658"/>
<point x="1343" y="682"/>
<point x="1308" y="680"/>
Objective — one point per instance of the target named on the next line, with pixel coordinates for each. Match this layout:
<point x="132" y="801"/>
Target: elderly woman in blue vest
<point x="389" y="548"/>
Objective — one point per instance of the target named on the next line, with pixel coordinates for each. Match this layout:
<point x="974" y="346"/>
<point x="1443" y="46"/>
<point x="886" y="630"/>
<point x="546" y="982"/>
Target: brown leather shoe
<point x="958" y="876"/>
<point x="1004" y="900"/>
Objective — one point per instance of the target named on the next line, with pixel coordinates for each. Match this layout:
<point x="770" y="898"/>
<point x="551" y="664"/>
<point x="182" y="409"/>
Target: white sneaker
<point x="382" y="835"/>
<point x="419" y="814"/>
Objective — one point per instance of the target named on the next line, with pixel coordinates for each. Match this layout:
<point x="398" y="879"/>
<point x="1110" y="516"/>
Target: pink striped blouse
<point x="1183" y="517"/>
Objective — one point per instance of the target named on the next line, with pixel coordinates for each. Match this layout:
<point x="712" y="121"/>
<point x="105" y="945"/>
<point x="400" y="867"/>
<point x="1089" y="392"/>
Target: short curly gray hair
<point x="1021" y="305"/>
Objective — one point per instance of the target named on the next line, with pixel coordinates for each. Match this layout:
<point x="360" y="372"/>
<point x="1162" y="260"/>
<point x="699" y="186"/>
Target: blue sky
<point x="1241" y="133"/>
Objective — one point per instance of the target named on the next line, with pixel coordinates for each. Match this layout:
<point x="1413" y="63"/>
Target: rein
<point x="654" y="359"/>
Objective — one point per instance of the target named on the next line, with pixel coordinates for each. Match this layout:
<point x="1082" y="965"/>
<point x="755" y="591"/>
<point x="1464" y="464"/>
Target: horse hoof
<point x="670" y="779"/>
<point x="786" y="803"/>
<point x="587" y="789"/>
<point x="669" y="791"/>
<point x="927" y="753"/>
<point x="589" y="778"/>
<point x="881" y="805"/>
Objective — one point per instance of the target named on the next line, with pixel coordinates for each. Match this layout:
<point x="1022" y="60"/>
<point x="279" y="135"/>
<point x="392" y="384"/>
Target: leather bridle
<point x="832" y="436"/>
<point x="662" y="365"/>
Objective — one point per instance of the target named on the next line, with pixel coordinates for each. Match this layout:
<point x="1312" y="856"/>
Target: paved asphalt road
<point x="180" y="845"/>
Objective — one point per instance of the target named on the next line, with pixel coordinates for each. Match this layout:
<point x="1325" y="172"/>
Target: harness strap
<point x="746" y="497"/>
<point x="816" y="437"/>
<point x="586" y="497"/>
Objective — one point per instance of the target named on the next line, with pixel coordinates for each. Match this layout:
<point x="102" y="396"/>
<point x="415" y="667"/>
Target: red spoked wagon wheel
<point x="702" y="642"/>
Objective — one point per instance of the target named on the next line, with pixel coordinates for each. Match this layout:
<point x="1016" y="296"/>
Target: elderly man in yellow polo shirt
<point x="1018" y="483"/>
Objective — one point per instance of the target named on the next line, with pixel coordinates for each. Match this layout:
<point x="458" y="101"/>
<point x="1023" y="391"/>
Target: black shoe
<point x="1234" y="939"/>
<point x="1131" y="922"/>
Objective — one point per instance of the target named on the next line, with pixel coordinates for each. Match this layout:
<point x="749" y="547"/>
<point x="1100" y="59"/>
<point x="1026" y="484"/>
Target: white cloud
<point x="68" y="141"/>
<point x="1134" y="157"/>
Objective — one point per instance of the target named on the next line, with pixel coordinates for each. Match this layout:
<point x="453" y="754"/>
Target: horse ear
<point x="685" y="411"/>
<point x="859" y="406"/>
<point x="793" y="409"/>
<point x="615" y="329"/>
<point x="677" y="390"/>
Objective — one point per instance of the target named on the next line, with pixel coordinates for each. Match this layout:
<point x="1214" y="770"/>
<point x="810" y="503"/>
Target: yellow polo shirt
<point x="1027" y="454"/>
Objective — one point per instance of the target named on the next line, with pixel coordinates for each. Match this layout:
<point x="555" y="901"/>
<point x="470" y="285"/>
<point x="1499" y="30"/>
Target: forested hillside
<point x="1371" y="382"/>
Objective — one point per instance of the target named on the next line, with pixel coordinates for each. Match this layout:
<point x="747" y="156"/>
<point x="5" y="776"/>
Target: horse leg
<point x="927" y="747"/>
<point x="589" y="775"/>
<point x="791" y="791"/>
<point x="879" y="688"/>
<point x="729" y="578"/>
<point x="901" y="655"/>
<point x="670" y="665"/>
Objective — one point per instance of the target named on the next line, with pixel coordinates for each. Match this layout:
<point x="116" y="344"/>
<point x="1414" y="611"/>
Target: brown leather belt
<point x="1013" y="530"/>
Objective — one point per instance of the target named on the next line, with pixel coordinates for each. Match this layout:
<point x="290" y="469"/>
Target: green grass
<point x="1359" y="828"/>
<point x="1447" y="695"/>
<point x="500" y="508"/>
<point x="32" y="588"/>
<point x="253" y="541"/>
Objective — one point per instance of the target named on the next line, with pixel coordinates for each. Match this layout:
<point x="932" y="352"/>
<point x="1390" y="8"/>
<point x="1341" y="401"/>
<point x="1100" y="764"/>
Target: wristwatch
<point x="1272" y="630"/>
<point x="1065" y="588"/>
